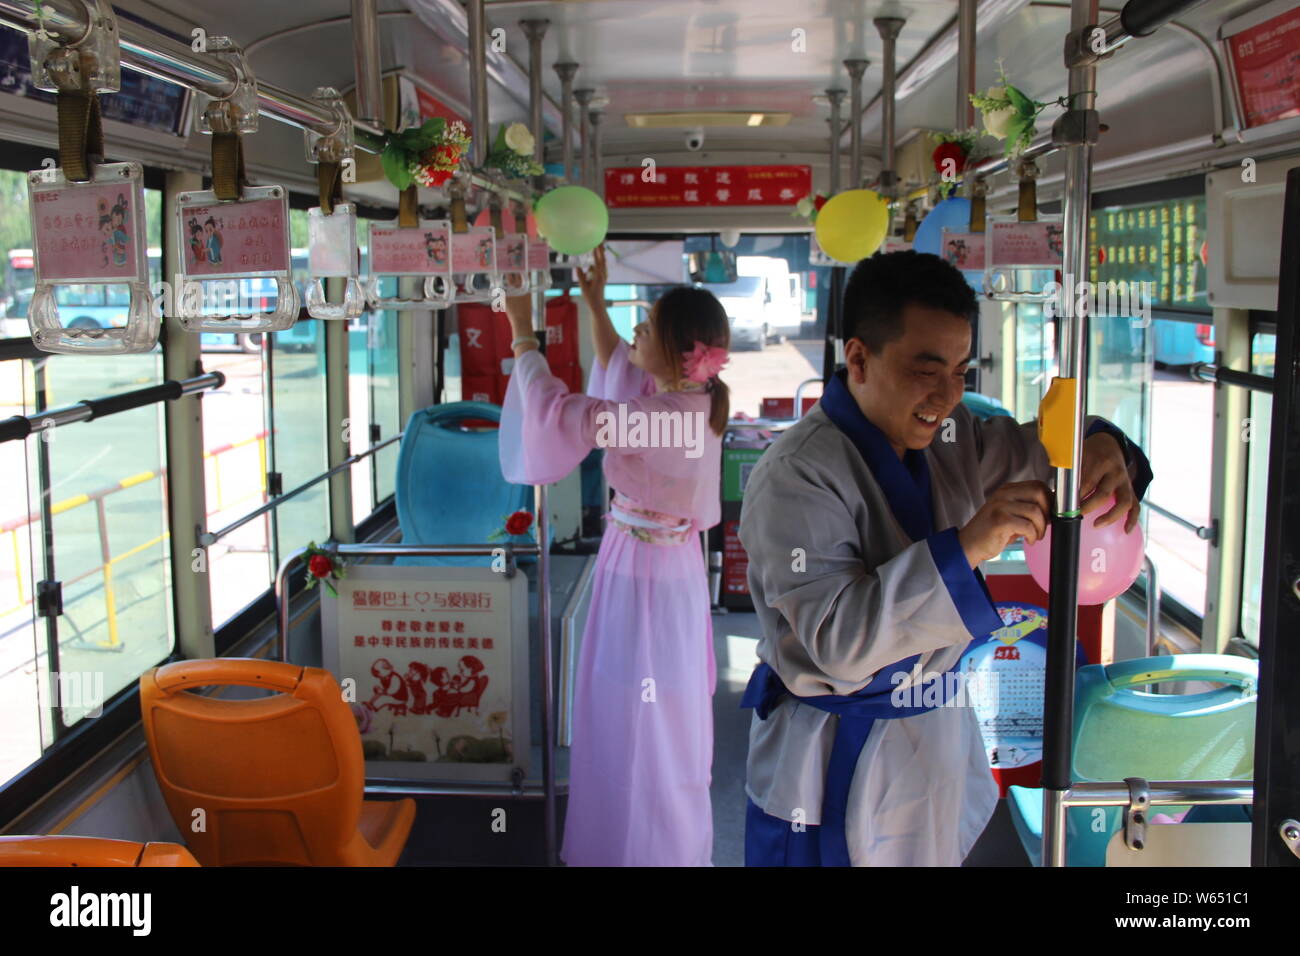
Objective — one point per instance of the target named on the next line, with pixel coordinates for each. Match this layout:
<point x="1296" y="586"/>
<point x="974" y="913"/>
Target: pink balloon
<point x="1109" y="559"/>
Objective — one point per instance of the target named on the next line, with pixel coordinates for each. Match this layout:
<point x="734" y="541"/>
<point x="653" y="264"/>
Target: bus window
<point x="1181" y="437"/>
<point x="775" y="341"/>
<point x="108" y="522"/>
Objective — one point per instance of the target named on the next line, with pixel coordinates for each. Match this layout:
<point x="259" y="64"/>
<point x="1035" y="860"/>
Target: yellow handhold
<point x="1056" y="422"/>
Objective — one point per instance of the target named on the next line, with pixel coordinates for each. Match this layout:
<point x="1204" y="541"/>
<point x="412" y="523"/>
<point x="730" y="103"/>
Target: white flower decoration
<point x="519" y="139"/>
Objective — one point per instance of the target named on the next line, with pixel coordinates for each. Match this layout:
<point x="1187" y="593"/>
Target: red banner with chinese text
<point x="627" y="186"/>
<point x="1264" y="63"/>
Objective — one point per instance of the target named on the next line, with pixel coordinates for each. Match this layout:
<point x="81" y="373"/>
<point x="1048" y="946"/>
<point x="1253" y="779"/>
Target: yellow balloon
<point x="852" y="225"/>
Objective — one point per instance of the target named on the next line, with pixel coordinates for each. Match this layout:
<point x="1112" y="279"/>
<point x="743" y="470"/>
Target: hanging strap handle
<point x="329" y="184"/>
<point x="1027" y="208"/>
<point x="81" y="133"/>
<point x="408" y="207"/>
<point x="228" y="178"/>
<point x="978" y="190"/>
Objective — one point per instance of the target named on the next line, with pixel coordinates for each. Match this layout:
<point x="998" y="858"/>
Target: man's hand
<point x="1017" y="510"/>
<point x="1105" y="473"/>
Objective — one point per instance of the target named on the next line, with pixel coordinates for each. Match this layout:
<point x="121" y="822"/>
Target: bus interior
<point x="1159" y="155"/>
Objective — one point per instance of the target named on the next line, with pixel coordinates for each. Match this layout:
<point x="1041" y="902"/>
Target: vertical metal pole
<point x="583" y="97"/>
<point x="889" y="28"/>
<point x="965" y="63"/>
<point x="478" y="91"/>
<point x="43" y="486"/>
<point x="597" y="180"/>
<point x="366" y="57"/>
<point x="836" y="98"/>
<point x="856" y="68"/>
<point x="1153" y="604"/>
<point x="535" y="30"/>
<point x="566" y="72"/>
<point x="548" y="694"/>
<point x="1058" y="722"/>
<point x="337" y="416"/>
<point x="186" y="479"/>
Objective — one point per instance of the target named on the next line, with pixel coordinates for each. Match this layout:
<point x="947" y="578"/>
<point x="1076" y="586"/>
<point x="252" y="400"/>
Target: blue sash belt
<point x="857" y="713"/>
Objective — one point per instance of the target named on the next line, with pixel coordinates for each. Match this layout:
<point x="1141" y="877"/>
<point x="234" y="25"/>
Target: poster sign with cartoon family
<point x="434" y="662"/>
<point x="422" y="251"/>
<point x="234" y="239"/>
<point x="88" y="232"/>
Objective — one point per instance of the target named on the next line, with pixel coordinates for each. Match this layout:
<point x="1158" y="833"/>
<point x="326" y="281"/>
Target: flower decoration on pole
<point x="427" y="155"/>
<point x="954" y="152"/>
<point x="1010" y="114"/>
<point x="324" y="566"/>
<point x="809" y="206"/>
<point x="514" y="525"/>
<point x="512" y="152"/>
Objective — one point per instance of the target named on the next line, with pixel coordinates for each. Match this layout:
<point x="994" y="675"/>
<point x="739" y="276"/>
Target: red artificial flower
<point x="519" y="522"/>
<point x="818" y="201"/>
<point x="319" y="566"/>
<point x="947" y="151"/>
<point x="436" y="177"/>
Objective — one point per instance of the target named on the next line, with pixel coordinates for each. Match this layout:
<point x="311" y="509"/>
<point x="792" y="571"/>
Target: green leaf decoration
<point x="1019" y="128"/>
<point x="1022" y="103"/>
<point x="500" y="142"/>
<point x="396" y="163"/>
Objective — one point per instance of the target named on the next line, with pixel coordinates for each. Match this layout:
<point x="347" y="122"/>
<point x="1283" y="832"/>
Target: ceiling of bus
<point x="681" y="55"/>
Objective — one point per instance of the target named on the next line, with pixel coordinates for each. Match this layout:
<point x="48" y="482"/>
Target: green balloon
<point x="573" y="220"/>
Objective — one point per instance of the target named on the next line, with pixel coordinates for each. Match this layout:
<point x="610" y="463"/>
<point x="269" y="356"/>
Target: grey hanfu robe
<point x="843" y="591"/>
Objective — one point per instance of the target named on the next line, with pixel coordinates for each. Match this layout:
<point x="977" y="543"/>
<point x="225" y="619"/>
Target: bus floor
<point x="458" y="831"/>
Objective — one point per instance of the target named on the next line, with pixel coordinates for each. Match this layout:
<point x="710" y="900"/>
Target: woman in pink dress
<point x="639" y="769"/>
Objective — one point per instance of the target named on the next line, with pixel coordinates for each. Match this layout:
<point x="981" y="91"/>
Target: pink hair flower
<point x="704" y="361"/>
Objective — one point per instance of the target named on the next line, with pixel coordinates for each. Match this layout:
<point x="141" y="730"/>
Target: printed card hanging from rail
<point x="434" y="663"/>
<point x="90" y="233"/>
<point x="332" y="254"/>
<point x="423" y="252"/>
<point x="474" y="262"/>
<point x="1015" y="250"/>
<point x="965" y="250"/>
<point x="235" y="261"/>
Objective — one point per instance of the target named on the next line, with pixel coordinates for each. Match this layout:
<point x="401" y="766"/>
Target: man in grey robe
<point x="865" y="524"/>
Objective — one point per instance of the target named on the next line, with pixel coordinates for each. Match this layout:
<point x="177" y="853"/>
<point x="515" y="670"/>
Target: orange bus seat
<point x="89" y="851"/>
<point x="273" y="781"/>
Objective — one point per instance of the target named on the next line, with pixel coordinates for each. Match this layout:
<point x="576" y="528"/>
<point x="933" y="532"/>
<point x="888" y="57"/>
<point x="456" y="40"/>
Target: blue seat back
<point x="1122" y="730"/>
<point x="450" y="489"/>
<point x="983" y="406"/>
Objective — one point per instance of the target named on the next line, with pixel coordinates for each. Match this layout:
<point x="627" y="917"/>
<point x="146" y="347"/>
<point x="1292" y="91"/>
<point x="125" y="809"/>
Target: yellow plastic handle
<point x="1056" y="422"/>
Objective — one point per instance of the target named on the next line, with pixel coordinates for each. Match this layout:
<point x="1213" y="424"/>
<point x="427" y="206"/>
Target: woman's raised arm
<point x="604" y="338"/>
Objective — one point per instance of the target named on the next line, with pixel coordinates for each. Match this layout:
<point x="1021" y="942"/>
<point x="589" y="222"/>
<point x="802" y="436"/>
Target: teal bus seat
<point x="983" y="406"/>
<point x="1121" y="730"/>
<point x="449" y="486"/>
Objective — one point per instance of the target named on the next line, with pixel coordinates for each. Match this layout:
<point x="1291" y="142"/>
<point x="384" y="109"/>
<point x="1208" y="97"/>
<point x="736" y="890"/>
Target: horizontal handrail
<point x="379" y="551"/>
<point x="208" y="538"/>
<point x="1218" y="375"/>
<point x="1202" y="532"/>
<point x="155" y="54"/>
<point x="1167" y="793"/>
<point x="21" y="426"/>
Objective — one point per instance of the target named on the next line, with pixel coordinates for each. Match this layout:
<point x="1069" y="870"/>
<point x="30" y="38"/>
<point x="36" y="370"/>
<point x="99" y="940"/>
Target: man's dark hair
<point x="882" y="286"/>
